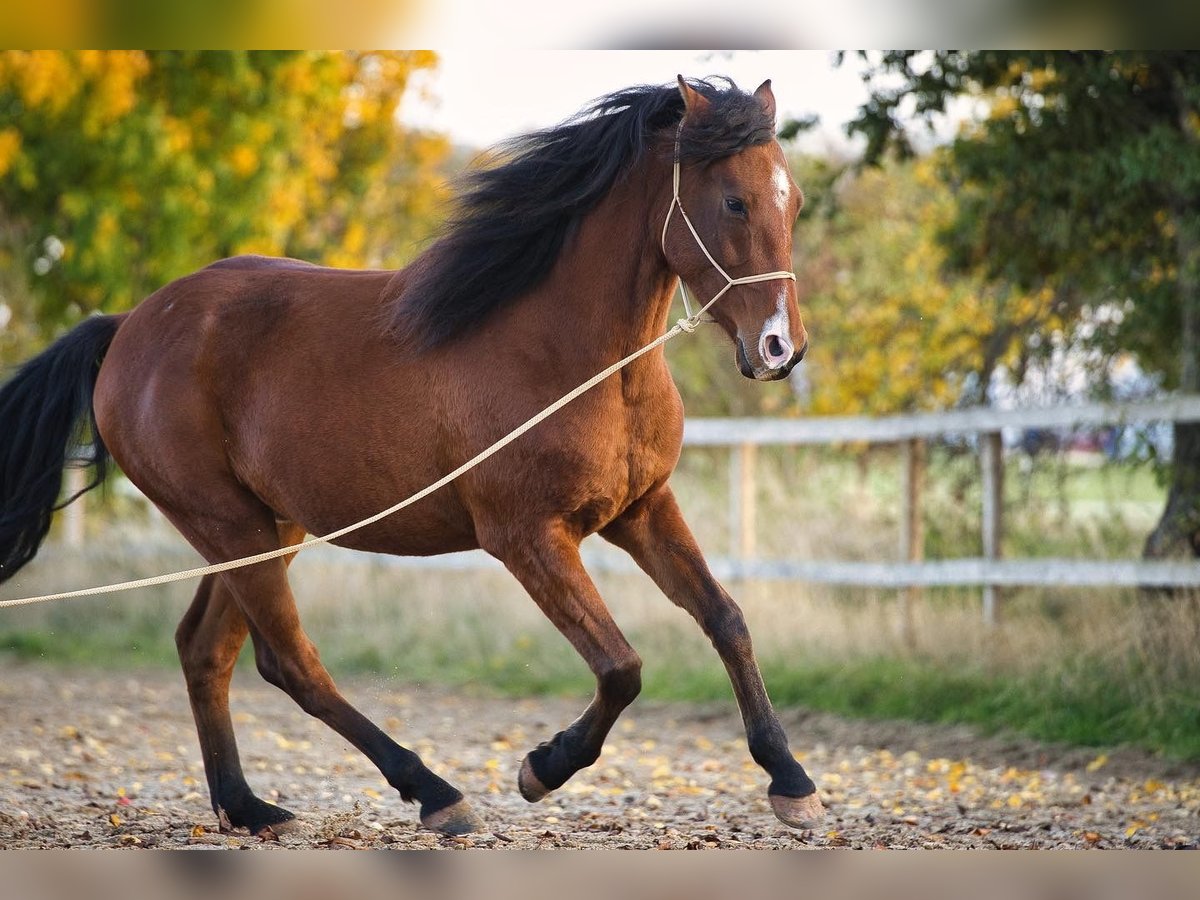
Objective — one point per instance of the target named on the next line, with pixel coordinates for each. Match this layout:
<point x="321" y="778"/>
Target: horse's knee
<point x="203" y="667"/>
<point x="622" y="682"/>
<point x="313" y="697"/>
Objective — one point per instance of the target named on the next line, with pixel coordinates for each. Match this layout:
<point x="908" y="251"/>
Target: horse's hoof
<point x="256" y="817"/>
<point x="531" y="786"/>
<point x="798" y="812"/>
<point x="455" y="819"/>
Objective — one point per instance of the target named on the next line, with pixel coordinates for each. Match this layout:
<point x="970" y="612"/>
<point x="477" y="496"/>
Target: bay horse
<point x="259" y="399"/>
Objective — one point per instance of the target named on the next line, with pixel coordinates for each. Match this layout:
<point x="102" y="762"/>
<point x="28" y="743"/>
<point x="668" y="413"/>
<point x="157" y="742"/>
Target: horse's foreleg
<point x="654" y="533"/>
<point x="551" y="571"/>
<point x="209" y="638"/>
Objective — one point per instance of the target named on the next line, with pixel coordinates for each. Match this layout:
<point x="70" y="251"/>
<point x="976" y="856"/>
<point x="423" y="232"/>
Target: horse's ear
<point x="695" y="104"/>
<point x="767" y="98"/>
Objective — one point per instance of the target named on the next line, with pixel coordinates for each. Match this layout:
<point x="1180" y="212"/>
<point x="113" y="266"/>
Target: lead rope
<point x="686" y="325"/>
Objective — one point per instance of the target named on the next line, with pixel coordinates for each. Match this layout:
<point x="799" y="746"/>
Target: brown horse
<point x="259" y="399"/>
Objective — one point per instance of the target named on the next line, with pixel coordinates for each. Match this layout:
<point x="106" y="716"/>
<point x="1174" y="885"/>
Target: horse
<point x="260" y="399"/>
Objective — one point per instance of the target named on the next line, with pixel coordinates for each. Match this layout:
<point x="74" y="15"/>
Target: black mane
<point x="512" y="218"/>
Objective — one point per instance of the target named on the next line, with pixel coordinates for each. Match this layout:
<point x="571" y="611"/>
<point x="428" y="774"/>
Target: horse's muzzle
<point x="764" y="374"/>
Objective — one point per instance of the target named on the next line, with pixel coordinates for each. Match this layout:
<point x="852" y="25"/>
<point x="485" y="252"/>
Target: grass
<point x="1086" y="667"/>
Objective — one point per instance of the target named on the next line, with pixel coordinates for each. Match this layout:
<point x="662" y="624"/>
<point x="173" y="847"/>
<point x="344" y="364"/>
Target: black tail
<point x="41" y="410"/>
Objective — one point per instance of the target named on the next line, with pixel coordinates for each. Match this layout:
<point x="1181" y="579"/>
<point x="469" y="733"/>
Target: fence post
<point x="912" y="528"/>
<point x="991" y="461"/>
<point x="74" y="515"/>
<point x="742" y="501"/>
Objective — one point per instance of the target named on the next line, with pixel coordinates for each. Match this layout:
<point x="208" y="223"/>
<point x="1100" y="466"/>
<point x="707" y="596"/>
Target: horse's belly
<point x="435" y="524"/>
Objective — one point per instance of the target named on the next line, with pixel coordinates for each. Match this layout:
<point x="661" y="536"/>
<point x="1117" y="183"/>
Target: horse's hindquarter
<point x="286" y="382"/>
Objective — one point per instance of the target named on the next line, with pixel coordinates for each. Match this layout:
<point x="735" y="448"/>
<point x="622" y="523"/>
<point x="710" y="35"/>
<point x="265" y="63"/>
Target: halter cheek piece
<point x="693" y="319"/>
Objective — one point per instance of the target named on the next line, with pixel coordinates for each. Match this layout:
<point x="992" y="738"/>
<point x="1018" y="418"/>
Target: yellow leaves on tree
<point x="51" y="80"/>
<point x="892" y="328"/>
<point x="136" y="167"/>
<point x="10" y="146"/>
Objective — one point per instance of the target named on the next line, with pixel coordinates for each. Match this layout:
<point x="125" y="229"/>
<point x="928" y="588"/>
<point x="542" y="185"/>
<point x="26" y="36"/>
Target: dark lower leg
<point x="208" y="639"/>
<point x="725" y="626"/>
<point x="549" y="765"/>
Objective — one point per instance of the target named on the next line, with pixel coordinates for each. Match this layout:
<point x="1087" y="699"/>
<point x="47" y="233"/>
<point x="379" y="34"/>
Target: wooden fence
<point x="912" y="571"/>
<point x="984" y="426"/>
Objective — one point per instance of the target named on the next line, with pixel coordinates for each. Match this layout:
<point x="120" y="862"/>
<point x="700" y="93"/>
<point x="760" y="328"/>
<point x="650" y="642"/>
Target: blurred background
<point x="978" y="499"/>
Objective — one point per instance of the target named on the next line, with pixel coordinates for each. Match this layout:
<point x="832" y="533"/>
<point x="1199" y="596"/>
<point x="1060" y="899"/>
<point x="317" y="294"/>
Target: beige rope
<point x="683" y="326"/>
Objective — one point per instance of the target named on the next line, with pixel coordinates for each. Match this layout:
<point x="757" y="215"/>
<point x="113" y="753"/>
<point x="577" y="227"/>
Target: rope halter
<point x="693" y="319"/>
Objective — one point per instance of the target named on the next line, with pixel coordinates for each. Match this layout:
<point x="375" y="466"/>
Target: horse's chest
<point x="615" y="465"/>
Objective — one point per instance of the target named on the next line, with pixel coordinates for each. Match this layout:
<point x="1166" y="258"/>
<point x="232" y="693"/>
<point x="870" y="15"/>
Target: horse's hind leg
<point x="233" y="524"/>
<point x="654" y="533"/>
<point x="209" y="638"/>
<point x="551" y="571"/>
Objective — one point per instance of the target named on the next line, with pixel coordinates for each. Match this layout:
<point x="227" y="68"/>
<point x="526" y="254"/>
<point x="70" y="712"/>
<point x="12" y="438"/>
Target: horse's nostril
<point x="774" y="347"/>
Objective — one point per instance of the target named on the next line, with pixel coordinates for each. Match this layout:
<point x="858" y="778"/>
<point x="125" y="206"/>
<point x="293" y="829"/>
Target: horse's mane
<point x="512" y="218"/>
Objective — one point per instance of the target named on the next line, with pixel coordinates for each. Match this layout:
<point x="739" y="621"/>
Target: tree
<point x="893" y="330"/>
<point x="122" y="170"/>
<point x="1082" y="184"/>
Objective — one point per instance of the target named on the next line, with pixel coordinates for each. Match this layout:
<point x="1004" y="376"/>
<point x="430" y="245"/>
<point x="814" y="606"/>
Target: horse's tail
<point x="42" y="409"/>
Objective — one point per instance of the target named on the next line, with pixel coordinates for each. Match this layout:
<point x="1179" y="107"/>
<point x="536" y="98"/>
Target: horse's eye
<point x="735" y="206"/>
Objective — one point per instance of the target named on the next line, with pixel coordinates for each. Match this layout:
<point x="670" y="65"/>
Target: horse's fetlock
<point x="768" y="747"/>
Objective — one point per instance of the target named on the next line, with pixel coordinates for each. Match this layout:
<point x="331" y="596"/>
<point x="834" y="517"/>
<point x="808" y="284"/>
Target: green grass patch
<point x="103" y="650"/>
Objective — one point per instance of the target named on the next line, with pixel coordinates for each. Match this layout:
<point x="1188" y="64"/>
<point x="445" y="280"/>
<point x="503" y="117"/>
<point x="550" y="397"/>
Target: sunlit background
<point x="984" y="235"/>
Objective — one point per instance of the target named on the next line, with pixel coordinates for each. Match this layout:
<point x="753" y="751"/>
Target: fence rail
<point x="895" y="429"/>
<point x="744" y="436"/>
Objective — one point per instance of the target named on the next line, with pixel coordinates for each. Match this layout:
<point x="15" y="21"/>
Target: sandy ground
<point x="97" y="759"/>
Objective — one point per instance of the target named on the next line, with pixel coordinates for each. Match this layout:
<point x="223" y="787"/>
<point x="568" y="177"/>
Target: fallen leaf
<point x="1098" y="763"/>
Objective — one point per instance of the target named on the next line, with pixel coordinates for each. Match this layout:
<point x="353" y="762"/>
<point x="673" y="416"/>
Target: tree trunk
<point x="1177" y="534"/>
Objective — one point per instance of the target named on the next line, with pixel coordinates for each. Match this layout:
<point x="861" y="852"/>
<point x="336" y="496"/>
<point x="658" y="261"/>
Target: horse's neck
<point x="611" y="289"/>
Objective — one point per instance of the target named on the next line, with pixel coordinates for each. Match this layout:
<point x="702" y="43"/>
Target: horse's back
<point x="251" y="262"/>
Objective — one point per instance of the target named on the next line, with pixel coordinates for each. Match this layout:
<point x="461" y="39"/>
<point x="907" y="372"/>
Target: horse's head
<point x="742" y="206"/>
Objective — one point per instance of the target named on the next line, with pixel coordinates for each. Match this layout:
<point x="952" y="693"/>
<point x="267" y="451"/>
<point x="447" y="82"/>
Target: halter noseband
<point x="693" y="319"/>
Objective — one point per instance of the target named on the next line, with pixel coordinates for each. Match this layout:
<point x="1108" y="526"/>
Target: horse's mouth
<point x="764" y="374"/>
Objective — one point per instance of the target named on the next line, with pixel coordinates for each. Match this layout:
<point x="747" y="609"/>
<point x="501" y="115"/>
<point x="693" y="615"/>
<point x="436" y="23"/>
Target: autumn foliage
<point x="122" y="170"/>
